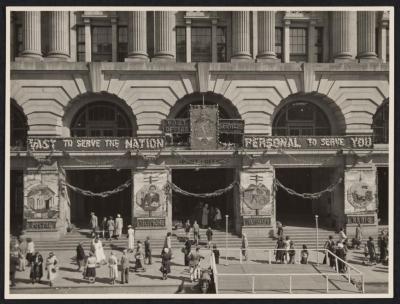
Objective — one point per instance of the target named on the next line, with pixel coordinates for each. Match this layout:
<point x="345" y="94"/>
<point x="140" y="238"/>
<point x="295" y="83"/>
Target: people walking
<point x="91" y="268"/>
<point x="209" y="234"/>
<point x="52" y="268"/>
<point x="187" y="229"/>
<point x="131" y="238"/>
<point x="22" y="252"/>
<point x="125" y="267"/>
<point x="217" y="218"/>
<point x="99" y="251"/>
<point x="194" y="261"/>
<point x="80" y="256"/>
<point x="371" y="251"/>
<point x="244" y="247"/>
<point x="292" y="253"/>
<point x="204" y="217"/>
<point x="147" y="251"/>
<point x="187" y="248"/>
<point x="139" y="257"/>
<point x="165" y="268"/>
<point x="36" y="272"/>
<point x="279" y="252"/>
<point x="30" y="250"/>
<point x="113" y="265"/>
<point x="119" y="224"/>
<point x="110" y="227"/>
<point x="93" y="223"/>
<point x="196" y="233"/>
<point x="304" y="255"/>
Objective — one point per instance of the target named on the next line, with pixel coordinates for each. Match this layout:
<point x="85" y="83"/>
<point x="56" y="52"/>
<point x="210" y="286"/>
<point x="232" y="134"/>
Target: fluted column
<point x="137" y="39"/>
<point x="366" y="23"/>
<point x="59" y="35"/>
<point x="266" y="36"/>
<point x="241" y="36"/>
<point x="31" y="36"/>
<point x="344" y="35"/>
<point x="164" y="44"/>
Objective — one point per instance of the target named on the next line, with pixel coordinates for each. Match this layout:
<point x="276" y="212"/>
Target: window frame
<point x="94" y="54"/>
<point x="305" y="44"/>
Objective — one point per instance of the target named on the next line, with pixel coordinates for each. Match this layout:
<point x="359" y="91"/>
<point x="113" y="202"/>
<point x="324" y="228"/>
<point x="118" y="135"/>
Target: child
<point x="209" y="234"/>
<point x="304" y="255"/>
<point x="216" y="254"/>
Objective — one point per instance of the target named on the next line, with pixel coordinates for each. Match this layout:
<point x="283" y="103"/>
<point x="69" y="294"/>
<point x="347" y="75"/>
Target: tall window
<point x="278" y="42"/>
<point x="380" y="124"/>
<point x="319" y="42"/>
<point x="80" y="43"/>
<point x="101" y="119"/>
<point x="122" y="43"/>
<point x="298" y="44"/>
<point x="180" y="44"/>
<point x="18" y="128"/>
<point x="301" y="118"/>
<point x="101" y="43"/>
<point x="201" y="44"/>
<point x="221" y="44"/>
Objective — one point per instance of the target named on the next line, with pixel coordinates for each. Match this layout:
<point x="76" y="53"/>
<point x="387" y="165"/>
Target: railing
<point x="316" y="253"/>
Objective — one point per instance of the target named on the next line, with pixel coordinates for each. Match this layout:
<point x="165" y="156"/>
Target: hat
<point x="125" y="251"/>
<point x="51" y="253"/>
<point x="118" y="215"/>
<point x="129" y="226"/>
<point x="340" y="245"/>
<point x="166" y="250"/>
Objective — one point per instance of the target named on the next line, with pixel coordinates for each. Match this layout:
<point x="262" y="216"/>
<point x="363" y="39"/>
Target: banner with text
<point x="308" y="142"/>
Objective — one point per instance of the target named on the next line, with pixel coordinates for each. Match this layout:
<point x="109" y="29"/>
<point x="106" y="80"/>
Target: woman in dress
<point x="204" y="217"/>
<point x="139" y="256"/>
<point x="99" y="251"/>
<point x="131" y="238"/>
<point x="165" y="268"/>
<point x="113" y="265"/>
<point x="52" y="268"/>
<point x="36" y="272"/>
<point x="91" y="267"/>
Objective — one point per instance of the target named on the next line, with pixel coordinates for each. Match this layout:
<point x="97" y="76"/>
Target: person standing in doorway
<point x="93" y="223"/>
<point x="80" y="255"/>
<point x="52" y="268"/>
<point x="147" y="251"/>
<point x="119" y="224"/>
<point x="110" y="227"/>
<point x="131" y="238"/>
<point x="113" y="265"/>
<point x="196" y="233"/>
<point x="204" y="218"/>
<point x="245" y="246"/>
<point x="217" y="218"/>
<point x="125" y="267"/>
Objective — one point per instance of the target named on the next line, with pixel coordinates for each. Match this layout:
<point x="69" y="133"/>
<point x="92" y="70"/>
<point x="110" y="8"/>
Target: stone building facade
<point x="258" y="103"/>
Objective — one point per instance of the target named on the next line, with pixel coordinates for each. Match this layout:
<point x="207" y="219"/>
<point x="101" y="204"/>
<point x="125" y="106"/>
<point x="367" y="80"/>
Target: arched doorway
<point x="18" y="135"/>
<point x="100" y="119"/>
<point x="302" y="118"/>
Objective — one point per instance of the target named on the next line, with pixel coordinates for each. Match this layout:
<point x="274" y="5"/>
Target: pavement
<point x="71" y="281"/>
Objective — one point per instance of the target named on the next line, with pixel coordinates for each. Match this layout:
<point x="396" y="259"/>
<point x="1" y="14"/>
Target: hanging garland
<point x="202" y="195"/>
<point x="103" y="194"/>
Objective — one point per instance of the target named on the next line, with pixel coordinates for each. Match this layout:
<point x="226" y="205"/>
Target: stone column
<point x="214" y="54"/>
<point x="164" y="44"/>
<point x="114" y="38"/>
<point x="344" y="35"/>
<point x="31" y="36"/>
<point x="88" y="40"/>
<point x="241" y="36"/>
<point x="266" y="36"/>
<point x="366" y="23"/>
<point x="137" y="36"/>
<point x="312" y="37"/>
<point x="59" y="35"/>
<point x="286" y="41"/>
<point x="188" y="40"/>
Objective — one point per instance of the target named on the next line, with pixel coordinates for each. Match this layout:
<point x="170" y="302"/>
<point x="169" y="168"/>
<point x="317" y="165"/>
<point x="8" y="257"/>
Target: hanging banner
<point x="44" y="144"/>
<point x="308" y="142"/>
<point x="203" y="123"/>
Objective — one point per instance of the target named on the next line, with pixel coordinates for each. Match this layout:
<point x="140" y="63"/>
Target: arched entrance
<point x="101" y="118"/>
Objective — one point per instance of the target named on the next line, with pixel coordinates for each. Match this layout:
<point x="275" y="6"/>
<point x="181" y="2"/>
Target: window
<point x="101" y="43"/>
<point x="18" y="128"/>
<point x="380" y="124"/>
<point x="301" y="118"/>
<point x="101" y="119"/>
<point x="319" y="42"/>
<point x="18" y="46"/>
<point x="122" y="43"/>
<point x="221" y="44"/>
<point x="278" y="42"/>
<point x="201" y="44"/>
<point x="298" y="44"/>
<point x="80" y="43"/>
<point x="181" y="44"/>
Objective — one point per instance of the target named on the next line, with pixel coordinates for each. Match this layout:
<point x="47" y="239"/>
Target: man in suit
<point x="125" y="267"/>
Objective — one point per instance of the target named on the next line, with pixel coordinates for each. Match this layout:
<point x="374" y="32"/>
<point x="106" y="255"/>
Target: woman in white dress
<point x="99" y="251"/>
<point x="119" y="223"/>
<point x="131" y="238"/>
<point x="113" y="264"/>
<point x="52" y="268"/>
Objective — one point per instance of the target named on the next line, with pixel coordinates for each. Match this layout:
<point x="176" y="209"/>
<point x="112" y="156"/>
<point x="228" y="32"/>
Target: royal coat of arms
<point x="360" y="195"/>
<point x="149" y="198"/>
<point x="256" y="196"/>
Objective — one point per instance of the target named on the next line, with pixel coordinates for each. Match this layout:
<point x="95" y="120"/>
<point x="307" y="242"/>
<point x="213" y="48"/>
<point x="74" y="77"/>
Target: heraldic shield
<point x="256" y="197"/>
<point x="149" y="198"/>
<point x="360" y="195"/>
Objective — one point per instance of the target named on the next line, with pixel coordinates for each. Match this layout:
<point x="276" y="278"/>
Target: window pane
<point x="122" y="43"/>
<point x="181" y="44"/>
<point x="201" y="44"/>
<point x="278" y="42"/>
<point x="221" y="44"/>
<point x="319" y="43"/>
<point x="298" y="44"/>
<point x="101" y="43"/>
<point x="80" y="42"/>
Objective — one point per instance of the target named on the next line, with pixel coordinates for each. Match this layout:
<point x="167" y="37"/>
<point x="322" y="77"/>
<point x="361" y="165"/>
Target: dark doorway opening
<point x="383" y="191"/>
<point x="99" y="181"/>
<point x="16" y="201"/>
<point x="202" y="181"/>
<point x="298" y="211"/>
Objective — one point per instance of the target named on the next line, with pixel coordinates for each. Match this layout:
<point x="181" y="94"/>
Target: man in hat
<point x="93" y="223"/>
<point x="125" y="267"/>
<point x="119" y="223"/>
